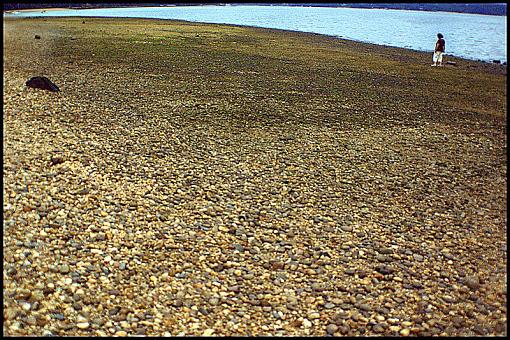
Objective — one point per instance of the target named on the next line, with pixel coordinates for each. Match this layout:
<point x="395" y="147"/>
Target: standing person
<point x="438" y="51"/>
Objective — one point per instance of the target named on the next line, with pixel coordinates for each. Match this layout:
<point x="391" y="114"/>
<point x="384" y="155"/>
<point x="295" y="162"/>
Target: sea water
<point x="471" y="36"/>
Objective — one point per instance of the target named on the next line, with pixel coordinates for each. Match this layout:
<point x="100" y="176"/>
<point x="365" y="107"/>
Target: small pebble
<point x="405" y="332"/>
<point x="83" y="325"/>
<point x="208" y="332"/>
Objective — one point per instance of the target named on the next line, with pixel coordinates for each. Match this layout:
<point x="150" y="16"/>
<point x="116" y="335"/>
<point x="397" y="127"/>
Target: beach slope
<point x="197" y="179"/>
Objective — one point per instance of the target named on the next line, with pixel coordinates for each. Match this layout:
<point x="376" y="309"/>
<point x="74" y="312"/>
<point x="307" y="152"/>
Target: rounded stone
<point x="83" y="325"/>
<point x="314" y="315"/>
<point x="331" y="329"/>
<point x="405" y="332"/>
<point x="64" y="269"/>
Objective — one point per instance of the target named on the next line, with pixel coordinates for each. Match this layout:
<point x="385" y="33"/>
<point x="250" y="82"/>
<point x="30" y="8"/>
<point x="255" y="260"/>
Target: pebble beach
<point x="202" y="179"/>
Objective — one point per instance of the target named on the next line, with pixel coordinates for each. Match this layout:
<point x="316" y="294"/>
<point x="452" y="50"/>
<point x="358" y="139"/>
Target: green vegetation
<point x="300" y="68"/>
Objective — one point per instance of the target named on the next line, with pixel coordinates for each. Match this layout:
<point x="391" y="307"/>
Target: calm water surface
<point x="469" y="36"/>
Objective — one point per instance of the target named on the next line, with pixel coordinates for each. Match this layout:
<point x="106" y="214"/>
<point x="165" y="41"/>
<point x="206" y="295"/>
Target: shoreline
<point x="37" y="10"/>
<point x="503" y="65"/>
<point x="502" y="62"/>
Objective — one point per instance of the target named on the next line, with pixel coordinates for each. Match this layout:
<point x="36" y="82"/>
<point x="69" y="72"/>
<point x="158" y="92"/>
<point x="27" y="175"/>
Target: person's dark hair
<point x="440" y="36"/>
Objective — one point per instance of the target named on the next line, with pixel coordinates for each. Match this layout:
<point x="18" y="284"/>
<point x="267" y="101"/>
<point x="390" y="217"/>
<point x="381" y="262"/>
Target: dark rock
<point x="473" y="282"/>
<point x="265" y="303"/>
<point x="350" y="271"/>
<point x="496" y="61"/>
<point x="121" y="317"/>
<point x="385" y="270"/>
<point x="500" y="327"/>
<point x="365" y="307"/>
<point x="235" y="289"/>
<point x="434" y="330"/>
<point x="37" y="36"/>
<point x="386" y="251"/>
<point x="448" y="256"/>
<point x="277" y="265"/>
<point x="398" y="300"/>
<point x="418" y="257"/>
<point x="11" y="271"/>
<point x="378" y="328"/>
<point x="344" y="329"/>
<point x="340" y="316"/>
<point x="458" y="322"/>
<point x="114" y="292"/>
<point x="48" y="290"/>
<point x="42" y="83"/>
<point x="383" y="310"/>
<point x="361" y="273"/>
<point x="114" y="310"/>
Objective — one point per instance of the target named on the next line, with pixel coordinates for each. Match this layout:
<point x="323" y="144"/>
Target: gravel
<point x="247" y="182"/>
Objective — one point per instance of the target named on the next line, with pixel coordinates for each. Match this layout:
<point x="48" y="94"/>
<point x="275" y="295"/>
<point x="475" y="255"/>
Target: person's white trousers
<point x="437" y="57"/>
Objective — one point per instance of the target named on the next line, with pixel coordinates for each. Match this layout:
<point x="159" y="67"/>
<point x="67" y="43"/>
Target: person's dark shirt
<point x="440" y="45"/>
